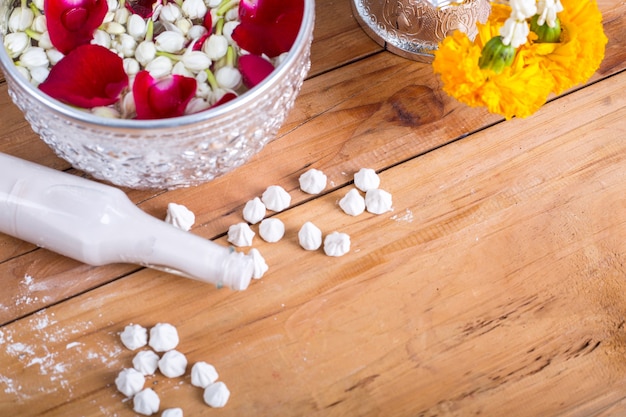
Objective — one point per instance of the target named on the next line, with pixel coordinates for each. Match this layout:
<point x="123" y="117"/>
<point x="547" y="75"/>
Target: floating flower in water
<point x="509" y="68"/>
<point x="164" y="97"/>
<point x="77" y="81"/>
<point x="150" y="58"/>
<point x="71" y="23"/>
<point x="268" y="27"/>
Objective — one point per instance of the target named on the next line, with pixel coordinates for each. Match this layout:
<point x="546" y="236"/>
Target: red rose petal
<point x="71" y="23"/>
<point x="144" y="8"/>
<point x="268" y="27"/>
<point x="162" y="98"/>
<point x="254" y="69"/>
<point x="87" y="77"/>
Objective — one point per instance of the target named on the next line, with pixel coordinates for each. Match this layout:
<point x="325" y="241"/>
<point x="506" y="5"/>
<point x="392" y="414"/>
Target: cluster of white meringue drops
<point x="172" y="364"/>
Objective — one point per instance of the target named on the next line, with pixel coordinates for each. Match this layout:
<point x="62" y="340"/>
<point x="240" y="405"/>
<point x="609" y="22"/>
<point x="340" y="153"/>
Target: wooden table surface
<point x="495" y="287"/>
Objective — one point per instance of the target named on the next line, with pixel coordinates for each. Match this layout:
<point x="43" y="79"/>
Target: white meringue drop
<point x="260" y="266"/>
<point x="313" y="181"/>
<point x="240" y="234"/>
<point x="146" y="362"/>
<point x="134" y="336"/>
<point x="146" y="402"/>
<point x="163" y="337"/>
<point x="378" y="201"/>
<point x="254" y="211"/>
<point x="172" y="412"/>
<point x="203" y="374"/>
<point x="216" y="395"/>
<point x="173" y="364"/>
<point x="180" y="216"/>
<point x="276" y="198"/>
<point x="352" y="203"/>
<point x="336" y="244"/>
<point x="130" y="381"/>
<point x="272" y="230"/>
<point x="366" y="179"/>
<point x="310" y="236"/>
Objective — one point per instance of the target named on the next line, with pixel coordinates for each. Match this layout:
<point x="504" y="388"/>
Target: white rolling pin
<point x="97" y="224"/>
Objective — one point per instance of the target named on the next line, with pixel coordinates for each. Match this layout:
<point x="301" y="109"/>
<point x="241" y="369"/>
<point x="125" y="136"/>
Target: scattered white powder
<point x="134" y="336"/>
<point x="313" y="181"/>
<point x="240" y="234"/>
<point x="203" y="374"/>
<point x="163" y="337"/>
<point x="276" y="198"/>
<point x="378" y="201"/>
<point x="310" y="236"/>
<point x="406" y="217"/>
<point x="216" y="395"/>
<point x="260" y="266"/>
<point x="180" y="216"/>
<point x="130" y="381"/>
<point x="272" y="230"/>
<point x="366" y="179"/>
<point x="172" y="412"/>
<point x="173" y="364"/>
<point x="336" y="244"/>
<point x="146" y="402"/>
<point x="146" y="362"/>
<point x="254" y="211"/>
<point x="352" y="203"/>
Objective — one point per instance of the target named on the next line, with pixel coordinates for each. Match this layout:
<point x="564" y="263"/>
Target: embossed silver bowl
<point x="168" y="153"/>
<point x="413" y="28"/>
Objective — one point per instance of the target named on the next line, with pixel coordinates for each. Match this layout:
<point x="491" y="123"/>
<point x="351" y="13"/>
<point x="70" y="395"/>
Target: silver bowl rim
<point x="243" y="101"/>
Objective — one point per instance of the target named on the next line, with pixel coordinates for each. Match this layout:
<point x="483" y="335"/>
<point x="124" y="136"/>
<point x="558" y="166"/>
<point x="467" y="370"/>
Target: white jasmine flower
<point x="38" y="4"/>
<point x="228" y="29"/>
<point x="24" y="71"/>
<point x="21" y="19"/>
<point x="215" y="47"/>
<point x="136" y="26"/>
<point x="145" y="52"/>
<point x="280" y="59"/>
<point x="131" y="66"/>
<point x="159" y="67"/>
<point x="194" y="9"/>
<point x="34" y="57"/>
<point x="523" y="9"/>
<point x="232" y="14"/>
<point x="169" y="41"/>
<point x="180" y="69"/>
<point x="514" y="32"/>
<point x="126" y="45"/>
<point x="16" y="43"/>
<point x="104" y="111"/>
<point x="39" y="24"/>
<point x="184" y="25"/>
<point x="228" y="77"/>
<point x="114" y="28"/>
<point x="196" y="105"/>
<point x="45" y="42"/>
<point x="170" y="13"/>
<point x="214" y="3"/>
<point x="547" y="10"/>
<point x="196" y="32"/>
<point x="54" y="55"/>
<point x="196" y="61"/>
<point x="39" y="74"/>
<point x="112" y="4"/>
<point x="121" y="15"/>
<point x="128" y="105"/>
<point x="101" y="38"/>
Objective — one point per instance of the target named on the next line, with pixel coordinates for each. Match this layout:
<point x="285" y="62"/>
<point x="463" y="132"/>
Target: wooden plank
<point x="498" y="278"/>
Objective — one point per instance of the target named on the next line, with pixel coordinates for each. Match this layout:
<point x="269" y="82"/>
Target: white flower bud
<point x="169" y="41"/>
<point x="194" y="9"/>
<point x="34" y="57"/>
<point x="196" y="32"/>
<point x="215" y="47"/>
<point x="21" y="19"/>
<point x="114" y="28"/>
<point x="109" y="17"/>
<point x="104" y="111"/>
<point x="159" y="67"/>
<point x="214" y="3"/>
<point x="184" y="25"/>
<point x="39" y="74"/>
<point x="24" y="71"/>
<point x="39" y="24"/>
<point x="112" y="4"/>
<point x="523" y="9"/>
<point x="180" y="69"/>
<point x="127" y="105"/>
<point x="101" y="38"/>
<point x="136" y="26"/>
<point x="54" y="55"/>
<point x="145" y="52"/>
<point x="121" y="15"/>
<point x="228" y="29"/>
<point x="514" y="32"/>
<point x="547" y="11"/>
<point x="231" y="14"/>
<point x="38" y="4"/>
<point x="131" y="66"/>
<point x="203" y="89"/>
<point x="16" y="43"/>
<point x="228" y="77"/>
<point x="196" y="105"/>
<point x="44" y="41"/>
<point x="170" y="12"/>
<point x="196" y="61"/>
<point x="126" y="45"/>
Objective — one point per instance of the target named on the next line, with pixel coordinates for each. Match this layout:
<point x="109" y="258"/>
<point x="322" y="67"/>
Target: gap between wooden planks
<point x="496" y="286"/>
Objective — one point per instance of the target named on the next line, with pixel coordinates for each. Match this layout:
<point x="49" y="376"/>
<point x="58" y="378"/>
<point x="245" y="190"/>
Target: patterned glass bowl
<point x="167" y="153"/>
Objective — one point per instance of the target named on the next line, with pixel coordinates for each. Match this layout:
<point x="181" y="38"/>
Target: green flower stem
<point x="230" y="56"/>
<point x="219" y="26"/>
<point x="225" y="6"/>
<point x="33" y="34"/>
<point x="150" y="30"/>
<point x="34" y="8"/>
<point x="496" y="56"/>
<point x="24" y="4"/>
<point x="169" y="55"/>
<point x="211" y="79"/>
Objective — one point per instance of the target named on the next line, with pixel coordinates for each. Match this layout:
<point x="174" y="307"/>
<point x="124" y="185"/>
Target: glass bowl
<point x="166" y="153"/>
